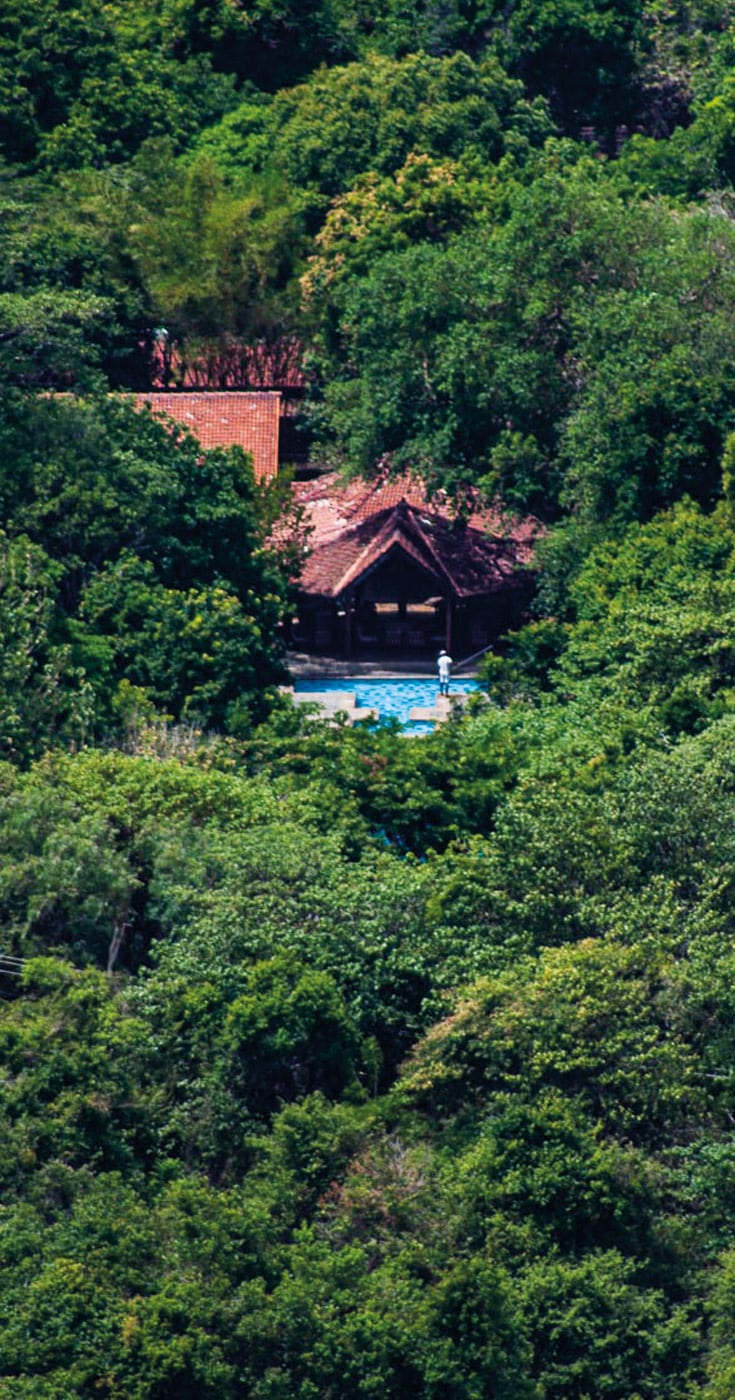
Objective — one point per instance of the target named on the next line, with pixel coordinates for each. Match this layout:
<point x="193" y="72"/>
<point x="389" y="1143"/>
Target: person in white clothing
<point x="444" y="667"/>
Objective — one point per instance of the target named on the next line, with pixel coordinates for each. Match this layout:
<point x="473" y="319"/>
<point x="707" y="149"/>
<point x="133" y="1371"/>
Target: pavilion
<point x="391" y="570"/>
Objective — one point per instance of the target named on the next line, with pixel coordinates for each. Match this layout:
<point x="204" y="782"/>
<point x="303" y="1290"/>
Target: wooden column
<point x="448" y="627"/>
<point x="349" y="611"/>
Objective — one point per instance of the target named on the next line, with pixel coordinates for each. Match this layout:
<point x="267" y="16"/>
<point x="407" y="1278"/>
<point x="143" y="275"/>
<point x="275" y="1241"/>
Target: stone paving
<point x="309" y="667"/>
<point x="331" y="703"/>
<point x="334" y="702"/>
<point x="344" y="702"/>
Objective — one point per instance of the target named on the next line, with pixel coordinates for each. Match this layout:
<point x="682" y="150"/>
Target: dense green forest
<point x="336" y="1063"/>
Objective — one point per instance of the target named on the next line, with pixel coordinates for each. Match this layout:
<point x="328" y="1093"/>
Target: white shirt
<point x="444" y="663"/>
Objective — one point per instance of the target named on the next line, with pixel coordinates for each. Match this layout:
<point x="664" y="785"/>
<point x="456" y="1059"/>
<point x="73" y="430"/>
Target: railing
<point x="12" y="967"/>
<point x="482" y="652"/>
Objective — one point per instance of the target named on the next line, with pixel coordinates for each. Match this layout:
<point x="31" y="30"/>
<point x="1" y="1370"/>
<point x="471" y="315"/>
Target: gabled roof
<point x="389" y="530"/>
<point x="356" y="526"/>
<point x="226" y="419"/>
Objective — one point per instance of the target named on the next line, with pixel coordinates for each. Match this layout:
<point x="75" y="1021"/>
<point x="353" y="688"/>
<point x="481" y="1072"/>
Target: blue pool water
<point x="391" y="698"/>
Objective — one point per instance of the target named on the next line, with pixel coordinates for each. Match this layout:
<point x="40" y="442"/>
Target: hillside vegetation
<point x="337" y="1063"/>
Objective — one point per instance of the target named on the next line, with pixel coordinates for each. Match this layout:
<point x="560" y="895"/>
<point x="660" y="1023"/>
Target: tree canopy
<point x="338" y="1062"/>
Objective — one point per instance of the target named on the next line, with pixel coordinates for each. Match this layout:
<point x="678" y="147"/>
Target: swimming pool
<point x="392" y="698"/>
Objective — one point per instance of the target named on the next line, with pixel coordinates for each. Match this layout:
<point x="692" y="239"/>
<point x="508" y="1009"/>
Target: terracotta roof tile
<point x="356" y="524"/>
<point x="228" y="364"/>
<point x="226" y="419"/>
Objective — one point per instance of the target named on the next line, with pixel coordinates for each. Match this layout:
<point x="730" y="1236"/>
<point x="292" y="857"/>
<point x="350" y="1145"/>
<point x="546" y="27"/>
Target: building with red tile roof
<point x="390" y="567"/>
<point x="226" y="419"/>
<point x="226" y="363"/>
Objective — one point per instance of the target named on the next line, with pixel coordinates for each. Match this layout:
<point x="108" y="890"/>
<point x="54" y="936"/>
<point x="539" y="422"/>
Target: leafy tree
<point x="652" y="611"/>
<point x="370" y="116"/>
<point x="78" y="839"/>
<point x="633" y="1080"/>
<point x="195" y="652"/>
<point x="44" y="336"/>
<point x="381" y="1065"/>
<point x="151" y="538"/>
<point x="86" y="86"/>
<point x="721" y="1368"/>
<point x="560" y="365"/>
<point x="76" y="1096"/>
<point x="216" y="265"/>
<point x="493" y="333"/>
<point x="596" y="1331"/>
<point x="581" y="56"/>
<point x="42" y="694"/>
<point x="424" y="201"/>
<point x="288" y="1035"/>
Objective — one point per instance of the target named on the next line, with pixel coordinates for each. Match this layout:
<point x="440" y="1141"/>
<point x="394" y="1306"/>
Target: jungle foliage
<point x="337" y="1063"/>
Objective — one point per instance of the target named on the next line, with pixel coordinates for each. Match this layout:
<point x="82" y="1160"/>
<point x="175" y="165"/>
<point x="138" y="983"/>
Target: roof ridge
<point x="367" y="549"/>
<point x="430" y="547"/>
<point x="390" y="532"/>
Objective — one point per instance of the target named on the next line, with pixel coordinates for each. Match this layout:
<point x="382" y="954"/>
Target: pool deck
<point x="333" y="701"/>
<point x="303" y="667"/>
